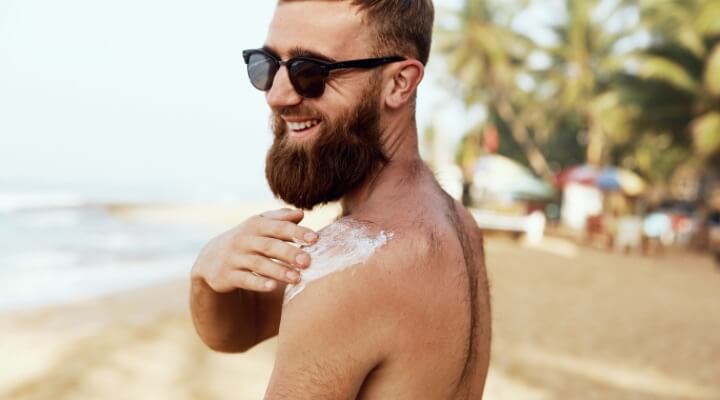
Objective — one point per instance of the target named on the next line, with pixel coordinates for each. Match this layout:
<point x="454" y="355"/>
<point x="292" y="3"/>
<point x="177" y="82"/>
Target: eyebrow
<point x="298" y="51"/>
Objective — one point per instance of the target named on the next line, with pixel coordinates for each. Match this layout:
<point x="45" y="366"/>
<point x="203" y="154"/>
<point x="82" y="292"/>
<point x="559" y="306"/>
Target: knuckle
<point x="247" y="243"/>
<point x="253" y="221"/>
<point x="215" y="278"/>
<point x="243" y="241"/>
<point x="246" y="279"/>
<point x="255" y="281"/>
<point x="271" y="269"/>
<point x="255" y="263"/>
<point x="267" y="246"/>
<point x="240" y="260"/>
<point x="223" y="272"/>
<point x="273" y="228"/>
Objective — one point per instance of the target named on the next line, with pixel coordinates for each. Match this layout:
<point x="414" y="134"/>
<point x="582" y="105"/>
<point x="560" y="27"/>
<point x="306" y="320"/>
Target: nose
<point x="282" y="93"/>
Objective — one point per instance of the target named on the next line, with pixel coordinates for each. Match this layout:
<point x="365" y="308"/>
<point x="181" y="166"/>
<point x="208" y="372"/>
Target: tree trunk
<point x="519" y="131"/>
<point x="595" y="143"/>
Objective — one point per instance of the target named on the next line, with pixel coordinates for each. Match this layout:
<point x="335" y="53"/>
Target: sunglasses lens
<point x="308" y="78"/>
<point x="261" y="71"/>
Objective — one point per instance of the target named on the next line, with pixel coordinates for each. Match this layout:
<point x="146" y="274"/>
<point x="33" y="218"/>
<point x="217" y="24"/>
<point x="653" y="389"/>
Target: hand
<point x="256" y="254"/>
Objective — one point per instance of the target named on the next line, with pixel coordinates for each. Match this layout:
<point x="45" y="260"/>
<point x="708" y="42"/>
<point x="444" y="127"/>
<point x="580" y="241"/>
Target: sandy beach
<point x="569" y="323"/>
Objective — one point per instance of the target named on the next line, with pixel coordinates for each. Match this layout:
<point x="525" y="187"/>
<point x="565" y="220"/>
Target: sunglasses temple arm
<point x="367" y="63"/>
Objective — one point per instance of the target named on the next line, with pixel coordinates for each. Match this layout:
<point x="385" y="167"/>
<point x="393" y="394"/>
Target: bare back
<point x="442" y="351"/>
<point x="412" y="322"/>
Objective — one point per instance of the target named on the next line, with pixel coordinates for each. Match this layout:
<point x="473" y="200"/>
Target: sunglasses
<point x="307" y="75"/>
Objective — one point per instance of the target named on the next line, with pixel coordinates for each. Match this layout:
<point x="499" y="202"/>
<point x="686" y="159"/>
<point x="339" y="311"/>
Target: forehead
<point x="332" y="28"/>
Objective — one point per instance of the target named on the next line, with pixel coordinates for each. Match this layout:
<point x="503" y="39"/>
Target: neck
<point x="403" y="165"/>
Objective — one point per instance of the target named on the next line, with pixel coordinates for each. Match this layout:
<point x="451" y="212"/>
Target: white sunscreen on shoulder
<point x="345" y="243"/>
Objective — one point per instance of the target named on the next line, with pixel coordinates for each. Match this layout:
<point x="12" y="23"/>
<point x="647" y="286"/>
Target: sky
<point x="148" y="95"/>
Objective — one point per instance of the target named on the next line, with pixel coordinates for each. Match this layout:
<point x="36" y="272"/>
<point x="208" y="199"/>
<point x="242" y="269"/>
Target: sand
<point x="569" y="323"/>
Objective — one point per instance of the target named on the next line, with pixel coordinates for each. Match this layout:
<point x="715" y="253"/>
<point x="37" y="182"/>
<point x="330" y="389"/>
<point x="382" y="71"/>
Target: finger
<point x="267" y="268"/>
<point x="279" y="250"/>
<point x="286" y="231"/>
<point x="248" y="280"/>
<point x="285" y="214"/>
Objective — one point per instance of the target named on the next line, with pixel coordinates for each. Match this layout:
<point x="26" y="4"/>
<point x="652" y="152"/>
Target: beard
<point x="343" y="155"/>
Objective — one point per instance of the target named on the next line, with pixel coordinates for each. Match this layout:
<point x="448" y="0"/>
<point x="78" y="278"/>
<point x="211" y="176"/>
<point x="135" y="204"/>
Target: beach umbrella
<point x="581" y="174"/>
<point x="506" y="178"/>
<point x="609" y="179"/>
<point x="620" y="179"/>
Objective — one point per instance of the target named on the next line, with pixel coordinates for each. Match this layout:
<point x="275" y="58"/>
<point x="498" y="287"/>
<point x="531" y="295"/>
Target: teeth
<point x="298" y="126"/>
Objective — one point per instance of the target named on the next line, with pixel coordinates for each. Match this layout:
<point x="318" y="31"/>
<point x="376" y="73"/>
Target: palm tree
<point x="585" y="60"/>
<point x="648" y="109"/>
<point x="486" y="57"/>
<point x="670" y="90"/>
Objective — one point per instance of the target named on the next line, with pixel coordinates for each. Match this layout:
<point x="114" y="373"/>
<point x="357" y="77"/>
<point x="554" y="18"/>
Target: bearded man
<point x="391" y="300"/>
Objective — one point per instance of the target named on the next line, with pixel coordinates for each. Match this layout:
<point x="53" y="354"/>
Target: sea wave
<point x="23" y="201"/>
<point x="56" y="248"/>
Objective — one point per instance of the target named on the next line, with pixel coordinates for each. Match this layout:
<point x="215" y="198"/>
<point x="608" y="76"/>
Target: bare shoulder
<point x="355" y="263"/>
<point x="373" y="295"/>
<point x="335" y="326"/>
<point x="363" y="274"/>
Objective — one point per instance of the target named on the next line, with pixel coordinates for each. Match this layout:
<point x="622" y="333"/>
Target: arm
<point x="234" y="321"/>
<point x="332" y="335"/>
<point x="238" y="280"/>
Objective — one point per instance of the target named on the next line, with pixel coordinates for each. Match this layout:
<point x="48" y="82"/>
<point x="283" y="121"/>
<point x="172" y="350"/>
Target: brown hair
<point x="402" y="27"/>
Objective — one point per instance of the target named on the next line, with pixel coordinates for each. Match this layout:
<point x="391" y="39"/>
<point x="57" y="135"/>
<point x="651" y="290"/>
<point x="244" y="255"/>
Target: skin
<point x="413" y="321"/>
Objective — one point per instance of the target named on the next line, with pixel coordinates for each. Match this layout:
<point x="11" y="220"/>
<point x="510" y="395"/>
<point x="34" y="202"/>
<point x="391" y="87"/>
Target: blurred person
<point x="657" y="231"/>
<point x="391" y="300"/>
<point x="629" y="233"/>
<point x="713" y="228"/>
<point x="713" y="223"/>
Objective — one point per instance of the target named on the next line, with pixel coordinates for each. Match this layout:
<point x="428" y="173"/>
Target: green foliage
<point x="676" y="85"/>
<point x="706" y="132"/>
<point x="712" y="72"/>
<point x="649" y="108"/>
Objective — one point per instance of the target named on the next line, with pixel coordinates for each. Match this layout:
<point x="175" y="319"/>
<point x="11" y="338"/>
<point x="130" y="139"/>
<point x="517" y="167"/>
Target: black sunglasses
<point x="307" y="75"/>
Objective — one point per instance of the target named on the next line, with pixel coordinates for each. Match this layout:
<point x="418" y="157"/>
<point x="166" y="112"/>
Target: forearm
<point x="226" y="322"/>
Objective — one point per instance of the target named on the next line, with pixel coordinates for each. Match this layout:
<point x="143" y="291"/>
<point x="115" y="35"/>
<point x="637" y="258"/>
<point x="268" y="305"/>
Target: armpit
<point x="343" y="244"/>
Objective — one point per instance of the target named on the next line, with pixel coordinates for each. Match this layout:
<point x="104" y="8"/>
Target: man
<point x="390" y="301"/>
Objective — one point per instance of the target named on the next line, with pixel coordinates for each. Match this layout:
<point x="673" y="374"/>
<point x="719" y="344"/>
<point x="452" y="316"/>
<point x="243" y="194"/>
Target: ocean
<point x="59" y="246"/>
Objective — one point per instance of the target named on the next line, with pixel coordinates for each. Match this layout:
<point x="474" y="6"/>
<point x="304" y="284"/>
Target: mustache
<point x="297" y="111"/>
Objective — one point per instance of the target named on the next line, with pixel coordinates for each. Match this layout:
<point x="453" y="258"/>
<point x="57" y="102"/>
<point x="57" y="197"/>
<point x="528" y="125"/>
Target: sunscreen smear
<point x="345" y="243"/>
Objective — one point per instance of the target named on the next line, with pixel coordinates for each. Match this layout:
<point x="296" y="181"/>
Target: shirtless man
<point x="391" y="300"/>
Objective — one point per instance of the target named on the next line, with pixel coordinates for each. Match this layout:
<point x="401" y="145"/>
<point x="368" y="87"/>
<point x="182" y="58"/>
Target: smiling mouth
<point x="302" y="128"/>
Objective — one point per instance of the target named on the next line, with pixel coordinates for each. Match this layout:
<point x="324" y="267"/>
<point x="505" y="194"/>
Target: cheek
<point x="344" y="92"/>
<point x="335" y="103"/>
<point x="332" y="106"/>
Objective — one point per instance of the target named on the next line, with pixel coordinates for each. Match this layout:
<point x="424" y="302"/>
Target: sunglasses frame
<point x="325" y="67"/>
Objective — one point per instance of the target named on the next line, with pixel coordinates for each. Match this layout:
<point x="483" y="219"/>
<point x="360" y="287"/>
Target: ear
<point x="406" y="76"/>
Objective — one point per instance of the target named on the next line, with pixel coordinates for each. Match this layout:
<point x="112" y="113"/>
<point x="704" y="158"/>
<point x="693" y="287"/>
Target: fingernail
<point x="269" y="284"/>
<point x="292" y="275"/>
<point x="302" y="259"/>
<point x="310" y="237"/>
